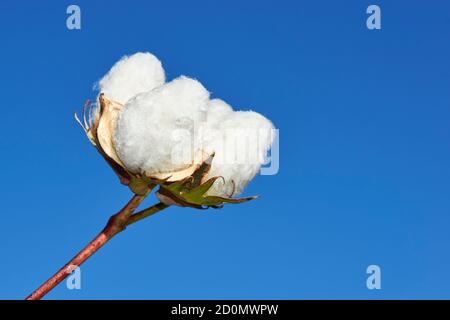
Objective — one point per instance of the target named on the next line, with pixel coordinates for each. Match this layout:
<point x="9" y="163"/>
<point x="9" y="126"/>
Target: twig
<point x="116" y="224"/>
<point x="146" y="213"/>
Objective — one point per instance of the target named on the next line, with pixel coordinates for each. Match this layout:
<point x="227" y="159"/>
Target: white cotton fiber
<point x="217" y="109"/>
<point x="241" y="142"/>
<point x="131" y="75"/>
<point x="156" y="125"/>
<point x="211" y="133"/>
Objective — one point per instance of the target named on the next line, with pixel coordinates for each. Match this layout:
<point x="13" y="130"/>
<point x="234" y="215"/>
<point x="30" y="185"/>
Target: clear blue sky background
<point x="364" y="119"/>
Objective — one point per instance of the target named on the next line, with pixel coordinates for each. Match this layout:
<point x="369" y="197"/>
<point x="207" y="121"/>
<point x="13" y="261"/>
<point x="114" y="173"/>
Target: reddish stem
<point x="116" y="224"/>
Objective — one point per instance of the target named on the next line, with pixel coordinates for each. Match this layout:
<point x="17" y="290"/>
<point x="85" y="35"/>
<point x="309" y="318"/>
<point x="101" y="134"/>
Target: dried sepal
<point x="97" y="130"/>
<point x="109" y="112"/>
<point x="178" y="175"/>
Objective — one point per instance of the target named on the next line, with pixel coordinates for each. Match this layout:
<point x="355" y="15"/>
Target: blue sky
<point x="364" y="119"/>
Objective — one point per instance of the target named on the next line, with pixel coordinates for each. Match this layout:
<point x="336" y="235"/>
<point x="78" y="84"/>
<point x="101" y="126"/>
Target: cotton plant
<point x="170" y="135"/>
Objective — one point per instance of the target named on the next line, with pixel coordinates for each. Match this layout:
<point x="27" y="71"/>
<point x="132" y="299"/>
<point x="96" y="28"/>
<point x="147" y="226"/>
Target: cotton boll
<point x="131" y="75"/>
<point x="245" y="138"/>
<point x="156" y="126"/>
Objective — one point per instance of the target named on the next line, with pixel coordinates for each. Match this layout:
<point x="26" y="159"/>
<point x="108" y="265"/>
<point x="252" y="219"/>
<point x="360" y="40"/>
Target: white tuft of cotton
<point x="132" y="75"/>
<point x="211" y="135"/>
<point x="240" y="141"/>
<point x="156" y="130"/>
<point x="217" y="110"/>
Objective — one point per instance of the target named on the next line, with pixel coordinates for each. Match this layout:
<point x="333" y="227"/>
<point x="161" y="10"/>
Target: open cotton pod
<point x="186" y="185"/>
<point x="171" y="134"/>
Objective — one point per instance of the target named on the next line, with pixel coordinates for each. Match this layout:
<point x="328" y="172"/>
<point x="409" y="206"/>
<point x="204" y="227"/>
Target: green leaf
<point x="218" y="201"/>
<point x="196" y="195"/>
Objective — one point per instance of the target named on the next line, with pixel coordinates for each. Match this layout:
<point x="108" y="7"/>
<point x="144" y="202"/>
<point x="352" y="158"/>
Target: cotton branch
<point x="116" y="224"/>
